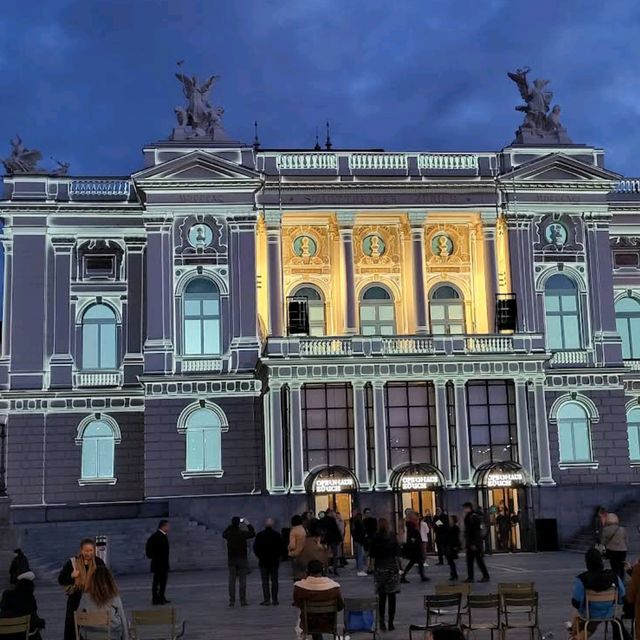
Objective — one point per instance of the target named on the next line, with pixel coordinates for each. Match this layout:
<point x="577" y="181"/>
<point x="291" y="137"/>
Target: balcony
<point x="201" y="365"/>
<point x="98" y="379"/>
<point x="306" y="161"/>
<point x="634" y="365"/>
<point x="570" y="359"/>
<point x="448" y="161"/>
<point x="404" y="346"/>
<point x="378" y="162"/>
<point x="109" y="190"/>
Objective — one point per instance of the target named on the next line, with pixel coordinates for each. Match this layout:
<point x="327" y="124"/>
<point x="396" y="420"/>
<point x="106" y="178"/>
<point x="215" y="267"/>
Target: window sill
<point x="635" y="464"/>
<point x="202" y="474"/>
<point x="578" y="465"/>
<point x="90" y="481"/>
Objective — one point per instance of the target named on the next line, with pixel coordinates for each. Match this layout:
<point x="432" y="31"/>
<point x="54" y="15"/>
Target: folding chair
<point x="98" y="623"/>
<point x="15" y="626"/>
<point x="446" y="589"/>
<point x="326" y="611"/>
<point x="489" y="604"/>
<point x="362" y="606"/>
<point x="516" y="588"/>
<point x="152" y="624"/>
<point x="520" y="611"/>
<point x="609" y="597"/>
<point x="437" y="608"/>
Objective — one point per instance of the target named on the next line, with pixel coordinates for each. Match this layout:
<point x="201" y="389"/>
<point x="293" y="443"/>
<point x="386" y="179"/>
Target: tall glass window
<point x="411" y="423"/>
<point x="377" y="313"/>
<point x="98" y="448"/>
<point x="492" y="421"/>
<point x="447" y="311"/>
<point x="562" y="313"/>
<point x="628" y="325"/>
<point x="633" y="429"/>
<point x="327" y="424"/>
<point x="204" y="441"/>
<point x="201" y="318"/>
<point x="315" y="305"/>
<point x="99" y="338"/>
<point x="574" y="433"/>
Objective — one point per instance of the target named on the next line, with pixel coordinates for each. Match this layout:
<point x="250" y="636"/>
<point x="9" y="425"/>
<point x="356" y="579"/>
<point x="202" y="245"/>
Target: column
<point x="61" y="359"/>
<point x="133" y="311"/>
<point x="295" y="438"/>
<point x="275" y="443"/>
<point x="462" y="434"/>
<point x="380" y="437"/>
<point x="522" y="418"/>
<point x="442" y="422"/>
<point x="273" y="222"/>
<point x="360" y="435"/>
<point x="346" y="220"/>
<point x="491" y="275"/>
<point x="7" y="246"/>
<point x="545" y="476"/>
<point x="419" y="289"/>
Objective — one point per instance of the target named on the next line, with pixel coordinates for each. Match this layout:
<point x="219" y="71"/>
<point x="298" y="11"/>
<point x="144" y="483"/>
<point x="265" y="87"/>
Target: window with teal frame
<point x="574" y="433"/>
<point x="562" y="314"/>
<point x="633" y="430"/>
<point x="98" y="451"/>
<point x="201" y="318"/>
<point x="628" y="326"/>
<point x="204" y="442"/>
<point x="99" y="338"/>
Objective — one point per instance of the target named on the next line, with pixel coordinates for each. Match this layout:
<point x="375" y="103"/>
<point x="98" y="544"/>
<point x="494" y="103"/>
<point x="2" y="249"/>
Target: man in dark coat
<point x="18" y="566"/>
<point x="237" y="534"/>
<point x="331" y="537"/>
<point x="474" y="542"/>
<point x="440" y="528"/>
<point x="157" y="550"/>
<point x="268" y="549"/>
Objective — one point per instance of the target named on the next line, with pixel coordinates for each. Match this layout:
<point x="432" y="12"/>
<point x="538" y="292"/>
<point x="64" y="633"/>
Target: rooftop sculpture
<point x="540" y="125"/>
<point x="23" y="160"/>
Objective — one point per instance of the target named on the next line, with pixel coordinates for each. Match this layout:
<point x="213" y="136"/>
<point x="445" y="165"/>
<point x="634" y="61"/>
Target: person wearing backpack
<point x="474" y="542"/>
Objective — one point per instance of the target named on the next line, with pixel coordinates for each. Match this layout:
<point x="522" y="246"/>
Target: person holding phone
<point x="237" y="534"/>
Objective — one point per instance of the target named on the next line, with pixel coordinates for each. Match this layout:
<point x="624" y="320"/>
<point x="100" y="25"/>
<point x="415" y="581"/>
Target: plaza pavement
<point x="201" y="598"/>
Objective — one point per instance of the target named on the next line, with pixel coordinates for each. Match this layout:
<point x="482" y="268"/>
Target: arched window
<point x="99" y="341"/>
<point x="633" y="429"/>
<point x="98" y="449"/>
<point x="628" y="325"/>
<point x="447" y="311"/>
<point x="204" y="441"/>
<point x="201" y="318"/>
<point x="574" y="432"/>
<point x="562" y="313"/>
<point x="316" y="309"/>
<point x="377" y="313"/>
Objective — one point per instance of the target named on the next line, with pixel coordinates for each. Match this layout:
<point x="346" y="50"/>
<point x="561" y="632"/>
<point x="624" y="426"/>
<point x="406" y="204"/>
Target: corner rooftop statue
<point x="23" y="160"/>
<point x="540" y="126"/>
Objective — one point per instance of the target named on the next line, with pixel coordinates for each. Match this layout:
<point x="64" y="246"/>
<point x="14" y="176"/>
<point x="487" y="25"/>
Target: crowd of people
<point x="314" y="548"/>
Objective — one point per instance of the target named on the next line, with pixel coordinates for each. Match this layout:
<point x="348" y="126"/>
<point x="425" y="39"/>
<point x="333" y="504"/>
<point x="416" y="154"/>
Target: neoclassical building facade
<point x="233" y="328"/>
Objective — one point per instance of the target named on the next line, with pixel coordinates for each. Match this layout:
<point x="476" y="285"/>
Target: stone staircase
<point x="629" y="514"/>
<point x="193" y="545"/>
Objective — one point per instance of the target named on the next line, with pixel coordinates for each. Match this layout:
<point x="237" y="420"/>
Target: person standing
<point x="102" y="594"/>
<point x="452" y="547"/>
<point x="342" y="529"/>
<point x="614" y="538"/>
<point x="370" y="527"/>
<point x="268" y="549"/>
<point x="425" y="533"/>
<point x="632" y="598"/>
<point x="237" y="534"/>
<point x="358" y="535"/>
<point x="413" y="548"/>
<point x="440" y="532"/>
<point x="503" y="525"/>
<point x="474" y="542"/>
<point x="331" y="538"/>
<point x="74" y="576"/>
<point x="385" y="553"/>
<point x="313" y="550"/>
<point x="157" y="550"/>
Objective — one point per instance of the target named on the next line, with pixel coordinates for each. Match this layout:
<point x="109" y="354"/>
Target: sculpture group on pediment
<point x="23" y="160"/>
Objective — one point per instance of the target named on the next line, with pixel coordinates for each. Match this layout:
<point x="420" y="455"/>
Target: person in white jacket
<point x="102" y="594"/>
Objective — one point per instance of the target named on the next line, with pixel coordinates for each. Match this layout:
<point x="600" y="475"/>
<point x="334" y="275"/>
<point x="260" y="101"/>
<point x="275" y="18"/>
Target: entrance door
<point x="418" y="501"/>
<point x="506" y="507"/>
<point x="341" y="503"/>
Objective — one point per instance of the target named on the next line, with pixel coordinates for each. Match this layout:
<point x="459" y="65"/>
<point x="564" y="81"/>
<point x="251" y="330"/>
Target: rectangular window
<point x="327" y="424"/>
<point x="626" y="260"/>
<point x="100" y="266"/>
<point x="90" y="458"/>
<point x="634" y="442"/>
<point x="411" y="423"/>
<point x="492" y="421"/>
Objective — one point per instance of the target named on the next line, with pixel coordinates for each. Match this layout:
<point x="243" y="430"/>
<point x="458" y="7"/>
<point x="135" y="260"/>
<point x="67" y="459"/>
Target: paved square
<point x="201" y="597"/>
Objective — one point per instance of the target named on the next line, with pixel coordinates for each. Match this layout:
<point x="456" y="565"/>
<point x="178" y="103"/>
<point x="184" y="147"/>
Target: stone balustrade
<point x="310" y="347"/>
<point x="628" y="185"/>
<point x="378" y="161"/>
<point x="407" y="345"/>
<point x="98" y="379"/>
<point x="306" y="161"/>
<point x="490" y="344"/>
<point x="448" y="161"/>
<point x="100" y="189"/>
<point x="199" y="365"/>
<point x="634" y="365"/>
<point x="564" y="358"/>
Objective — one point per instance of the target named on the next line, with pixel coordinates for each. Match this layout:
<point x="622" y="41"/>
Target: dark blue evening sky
<point x="91" y="81"/>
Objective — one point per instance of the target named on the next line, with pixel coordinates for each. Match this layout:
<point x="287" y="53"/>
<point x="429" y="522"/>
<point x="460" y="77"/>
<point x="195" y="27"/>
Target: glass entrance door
<point x="505" y="506"/>
<point x="341" y="503"/>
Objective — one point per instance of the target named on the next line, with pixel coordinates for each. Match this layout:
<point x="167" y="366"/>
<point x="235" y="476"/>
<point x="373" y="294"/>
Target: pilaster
<point x="417" y="220"/>
<point x="346" y="220"/>
<point x="295" y="438"/>
<point x="273" y="224"/>
<point x="442" y="426"/>
<point x="462" y="434"/>
<point x="360" y="433"/>
<point x="522" y="420"/>
<point x="380" y="437"/>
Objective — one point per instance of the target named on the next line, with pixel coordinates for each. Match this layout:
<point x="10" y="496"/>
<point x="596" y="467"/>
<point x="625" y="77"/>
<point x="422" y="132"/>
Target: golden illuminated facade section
<point x="262" y="288"/>
<point x="503" y="265"/>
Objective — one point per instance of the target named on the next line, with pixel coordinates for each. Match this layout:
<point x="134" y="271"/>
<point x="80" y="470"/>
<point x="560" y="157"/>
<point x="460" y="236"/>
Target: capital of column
<point x="272" y="219"/>
<point x="62" y="244"/>
<point x="345" y="218"/>
<point x="440" y="382"/>
<point x="358" y="384"/>
<point x="417" y="219"/>
<point x="295" y="385"/>
<point x="378" y="384"/>
<point x="135" y="244"/>
<point x="275" y="385"/>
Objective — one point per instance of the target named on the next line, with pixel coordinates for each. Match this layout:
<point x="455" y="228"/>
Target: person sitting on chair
<point x="19" y="601"/>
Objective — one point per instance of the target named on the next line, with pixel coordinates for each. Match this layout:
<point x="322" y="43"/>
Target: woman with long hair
<point x="101" y="594"/>
<point x="74" y="577"/>
<point x="384" y="550"/>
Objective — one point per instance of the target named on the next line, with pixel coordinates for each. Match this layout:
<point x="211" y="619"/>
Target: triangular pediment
<point x="197" y="167"/>
<point x="559" y="168"/>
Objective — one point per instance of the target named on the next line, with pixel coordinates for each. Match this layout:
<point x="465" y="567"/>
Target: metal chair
<point x="484" y="603"/>
<point x="14" y="626"/>
<point x="361" y="605"/>
<point x="99" y="623"/>
<point x="446" y="589"/>
<point x="516" y="588"/>
<point x="520" y="611"/>
<point x="437" y="609"/>
<point x="602" y="597"/>
<point x="327" y="610"/>
<point x="152" y="624"/>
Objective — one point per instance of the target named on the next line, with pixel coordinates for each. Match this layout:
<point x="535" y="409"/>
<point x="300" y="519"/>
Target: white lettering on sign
<point x="333" y="485"/>
<point x="416" y="483"/>
<point x="504" y="479"/>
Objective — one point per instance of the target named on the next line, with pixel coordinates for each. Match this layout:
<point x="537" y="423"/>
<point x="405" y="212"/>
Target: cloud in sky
<point x="91" y="81"/>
